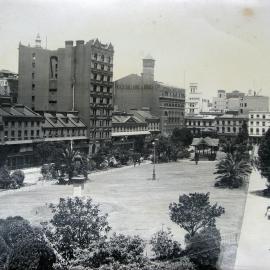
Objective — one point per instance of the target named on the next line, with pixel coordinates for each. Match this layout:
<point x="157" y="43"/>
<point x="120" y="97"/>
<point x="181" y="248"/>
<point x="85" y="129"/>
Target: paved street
<point x="254" y="244"/>
<point x="136" y="204"/>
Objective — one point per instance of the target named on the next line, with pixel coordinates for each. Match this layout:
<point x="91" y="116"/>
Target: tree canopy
<point x="264" y="157"/>
<point x="194" y="212"/>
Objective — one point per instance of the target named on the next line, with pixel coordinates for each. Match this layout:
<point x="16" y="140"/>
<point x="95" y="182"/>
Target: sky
<point x="219" y="44"/>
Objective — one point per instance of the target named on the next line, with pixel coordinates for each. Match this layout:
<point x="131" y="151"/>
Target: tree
<point x="18" y="176"/>
<point x="242" y="137"/>
<point x="203" y="248"/>
<point x="68" y="156"/>
<point x="49" y="152"/>
<point x="193" y="212"/>
<point x="5" y="179"/>
<point x="231" y="171"/>
<point x="76" y="224"/>
<point x="23" y="246"/>
<point x="182" y="136"/>
<point x="31" y="254"/>
<point x="164" y="247"/>
<point x="264" y="157"/>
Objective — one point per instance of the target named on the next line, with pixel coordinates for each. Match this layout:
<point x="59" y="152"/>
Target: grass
<point x="135" y="204"/>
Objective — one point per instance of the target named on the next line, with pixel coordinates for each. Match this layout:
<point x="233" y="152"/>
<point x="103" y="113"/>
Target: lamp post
<point x="154" y="162"/>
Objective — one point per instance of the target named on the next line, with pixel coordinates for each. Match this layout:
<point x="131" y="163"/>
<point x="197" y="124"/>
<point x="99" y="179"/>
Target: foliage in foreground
<point x="76" y="224"/>
<point x="23" y="246"/>
<point x="204" y="247"/>
<point x="164" y="246"/>
<point x="194" y="212"/>
<point x="264" y="158"/>
<point x="232" y="172"/>
<point x="11" y="180"/>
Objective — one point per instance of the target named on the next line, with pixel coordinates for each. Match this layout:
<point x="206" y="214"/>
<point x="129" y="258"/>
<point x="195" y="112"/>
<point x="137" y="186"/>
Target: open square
<point x="135" y="204"/>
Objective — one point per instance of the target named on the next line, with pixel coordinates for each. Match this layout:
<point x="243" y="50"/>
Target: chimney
<point x="79" y="42"/>
<point x="68" y="43"/>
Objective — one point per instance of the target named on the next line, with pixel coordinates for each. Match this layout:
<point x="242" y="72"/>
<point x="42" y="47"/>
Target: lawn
<point x="136" y="204"/>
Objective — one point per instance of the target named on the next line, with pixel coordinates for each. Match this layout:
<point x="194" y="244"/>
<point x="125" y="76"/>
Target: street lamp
<point x="154" y="162"/>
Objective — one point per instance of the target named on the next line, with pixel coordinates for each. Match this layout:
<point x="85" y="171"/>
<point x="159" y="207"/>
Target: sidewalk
<point x="254" y="244"/>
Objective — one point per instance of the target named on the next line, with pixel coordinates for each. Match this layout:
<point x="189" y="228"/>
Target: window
<point x="6" y="123"/>
<point x="26" y="133"/>
<point x="33" y="75"/>
<point x="251" y="116"/>
<point x="257" y="131"/>
<point x="12" y="133"/>
<point x="12" y="123"/>
<point x="32" y="123"/>
<point x="257" y="115"/>
<point x="38" y="133"/>
<point x="263" y="123"/>
<point x="228" y="129"/>
<point x="95" y="56"/>
<point x="263" y="131"/>
<point x="33" y="86"/>
<point x="32" y="133"/>
<point x="33" y="98"/>
<point x="102" y="57"/>
<point x="251" y="130"/>
<point x="33" y="65"/>
<point x="19" y="133"/>
<point x="101" y="88"/>
<point x="263" y="116"/>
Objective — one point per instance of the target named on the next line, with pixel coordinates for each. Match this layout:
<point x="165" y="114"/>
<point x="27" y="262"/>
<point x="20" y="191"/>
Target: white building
<point x="258" y="124"/>
<point x="220" y="102"/>
<point x="195" y="102"/>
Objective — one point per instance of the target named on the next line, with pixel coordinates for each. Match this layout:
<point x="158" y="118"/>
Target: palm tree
<point x="68" y="157"/>
<point x="231" y="171"/>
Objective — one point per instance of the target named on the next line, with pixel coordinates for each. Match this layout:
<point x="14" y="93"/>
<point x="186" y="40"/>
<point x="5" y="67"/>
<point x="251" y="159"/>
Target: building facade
<point x="201" y="124"/>
<point x="9" y="85"/>
<point x="164" y="101"/>
<point x="229" y="125"/>
<point x="195" y="102"/>
<point x="82" y="73"/>
<point x="219" y="102"/>
<point x="258" y="124"/>
<point x="21" y="129"/>
<point x="254" y="103"/>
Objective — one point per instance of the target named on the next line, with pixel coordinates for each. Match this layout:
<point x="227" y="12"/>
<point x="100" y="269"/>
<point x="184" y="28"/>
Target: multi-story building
<point x="196" y="103"/>
<point x="201" y="124"/>
<point x="219" y="102"/>
<point x="78" y="77"/>
<point x="254" y="103"/>
<point x="164" y="101"/>
<point x="258" y="124"/>
<point x="9" y="85"/>
<point x="153" y="122"/>
<point x="65" y="127"/>
<point x="21" y="129"/>
<point x="229" y="125"/>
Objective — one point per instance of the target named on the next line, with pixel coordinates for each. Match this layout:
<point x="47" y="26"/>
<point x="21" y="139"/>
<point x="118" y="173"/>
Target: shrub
<point x="164" y="247"/>
<point x="4" y="251"/>
<point x="18" y="176"/>
<point x="31" y="254"/>
<point x="203" y="248"/>
<point x="194" y="212"/>
<point x="5" y="179"/>
<point x="76" y="224"/>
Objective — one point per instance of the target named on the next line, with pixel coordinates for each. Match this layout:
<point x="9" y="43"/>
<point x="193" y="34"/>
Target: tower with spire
<point x="148" y="69"/>
<point x="38" y="41"/>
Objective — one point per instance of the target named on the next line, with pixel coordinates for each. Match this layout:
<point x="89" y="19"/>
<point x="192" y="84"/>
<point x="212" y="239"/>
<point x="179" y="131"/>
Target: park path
<point x="254" y="244"/>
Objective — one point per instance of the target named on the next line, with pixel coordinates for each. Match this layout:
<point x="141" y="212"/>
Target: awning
<point x="132" y="133"/>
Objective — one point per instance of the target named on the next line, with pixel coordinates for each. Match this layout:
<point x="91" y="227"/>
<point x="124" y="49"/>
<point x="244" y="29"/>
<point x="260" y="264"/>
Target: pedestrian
<point x="267" y="214"/>
<point x="196" y="158"/>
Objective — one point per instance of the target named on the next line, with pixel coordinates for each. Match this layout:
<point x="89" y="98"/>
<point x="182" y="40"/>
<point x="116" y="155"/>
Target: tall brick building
<point x="78" y="77"/>
<point x="164" y="101"/>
